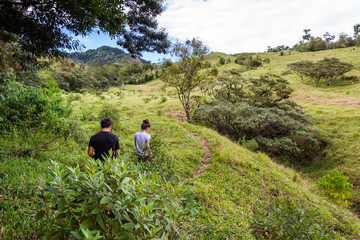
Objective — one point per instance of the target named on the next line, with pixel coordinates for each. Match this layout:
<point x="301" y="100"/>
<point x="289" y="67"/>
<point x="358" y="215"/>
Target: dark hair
<point x="145" y="124"/>
<point x="106" y="122"/>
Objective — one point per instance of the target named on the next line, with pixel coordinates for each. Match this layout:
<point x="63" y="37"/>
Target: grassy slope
<point x="335" y="110"/>
<point x="229" y="188"/>
<point x="237" y="178"/>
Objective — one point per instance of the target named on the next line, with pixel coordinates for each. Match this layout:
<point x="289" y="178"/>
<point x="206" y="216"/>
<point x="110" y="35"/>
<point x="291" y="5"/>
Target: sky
<point x="234" y="26"/>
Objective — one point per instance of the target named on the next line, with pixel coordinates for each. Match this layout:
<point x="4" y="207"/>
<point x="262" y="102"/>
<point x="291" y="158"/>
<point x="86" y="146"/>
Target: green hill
<point x="103" y="55"/>
<point x="233" y="187"/>
<point x="334" y="110"/>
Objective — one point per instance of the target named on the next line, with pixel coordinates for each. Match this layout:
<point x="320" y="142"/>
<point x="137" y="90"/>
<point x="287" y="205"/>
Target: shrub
<point x="163" y="99"/>
<point x="110" y="111"/>
<point x="30" y="107"/>
<point x="249" y="144"/>
<point x="221" y="61"/>
<point x="337" y="187"/>
<point x="115" y="200"/>
<point x="286" y="219"/>
<point x="146" y="100"/>
<point x="261" y="113"/>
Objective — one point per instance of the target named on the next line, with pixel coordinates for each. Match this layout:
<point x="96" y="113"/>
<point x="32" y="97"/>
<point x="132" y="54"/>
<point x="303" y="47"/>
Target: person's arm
<point x="117" y="148"/>
<point x="91" y="152"/>
<point x="148" y="147"/>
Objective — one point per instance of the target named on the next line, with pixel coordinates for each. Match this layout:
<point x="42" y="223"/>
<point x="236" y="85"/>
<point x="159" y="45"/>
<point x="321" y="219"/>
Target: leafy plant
<point x="337" y="187"/>
<point x="249" y="144"/>
<point x="110" y="111"/>
<point x="163" y="99"/>
<point x="30" y="107"/>
<point x="258" y="109"/>
<point x="286" y="219"/>
<point x="119" y="199"/>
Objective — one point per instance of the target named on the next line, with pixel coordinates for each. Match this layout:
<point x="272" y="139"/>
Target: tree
<point x="356" y="30"/>
<point x="357" y="34"/>
<point x="333" y="68"/>
<point x="328" y="38"/>
<point x="186" y="74"/>
<point x="258" y="109"/>
<point x="299" y="68"/>
<point x="38" y="25"/>
<point x="327" y="69"/>
<point x="307" y="35"/>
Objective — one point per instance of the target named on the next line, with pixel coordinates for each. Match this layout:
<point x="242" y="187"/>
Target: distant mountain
<point x="103" y="55"/>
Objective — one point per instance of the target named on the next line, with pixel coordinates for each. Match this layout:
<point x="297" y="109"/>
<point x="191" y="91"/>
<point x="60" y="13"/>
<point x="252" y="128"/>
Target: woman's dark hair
<point x="106" y="122"/>
<point x="145" y="124"/>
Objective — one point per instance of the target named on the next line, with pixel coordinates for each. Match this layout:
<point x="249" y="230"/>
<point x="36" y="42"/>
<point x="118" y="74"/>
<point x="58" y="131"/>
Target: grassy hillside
<point x="103" y="55"/>
<point x="334" y="109"/>
<point x="235" y="182"/>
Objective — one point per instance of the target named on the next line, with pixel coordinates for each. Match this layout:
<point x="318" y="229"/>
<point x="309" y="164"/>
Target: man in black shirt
<point x="103" y="141"/>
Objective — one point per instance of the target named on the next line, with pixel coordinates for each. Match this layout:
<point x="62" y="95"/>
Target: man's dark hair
<point x="106" y="122"/>
<point x="145" y="124"/>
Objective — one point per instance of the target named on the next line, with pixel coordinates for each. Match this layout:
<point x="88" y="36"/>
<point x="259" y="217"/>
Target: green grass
<point x="236" y="180"/>
<point x="334" y="110"/>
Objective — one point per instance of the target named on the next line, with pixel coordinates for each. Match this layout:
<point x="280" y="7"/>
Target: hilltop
<point x="103" y="55"/>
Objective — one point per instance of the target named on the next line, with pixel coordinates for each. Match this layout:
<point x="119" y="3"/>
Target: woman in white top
<point x="142" y="142"/>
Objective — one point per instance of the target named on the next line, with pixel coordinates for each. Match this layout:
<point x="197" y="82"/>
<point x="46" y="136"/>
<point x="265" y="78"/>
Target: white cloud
<point x="233" y="26"/>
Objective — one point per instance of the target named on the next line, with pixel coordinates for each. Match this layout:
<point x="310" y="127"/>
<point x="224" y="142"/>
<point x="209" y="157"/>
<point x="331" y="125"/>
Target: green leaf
<point x="77" y="235"/>
<point x="100" y="221"/>
<point x="96" y="210"/>
<point x="105" y="200"/>
<point x="39" y="215"/>
<point x="128" y="226"/>
<point x="88" y="222"/>
<point x="61" y="204"/>
<point x="115" y="227"/>
<point x="53" y="190"/>
<point x="125" y="180"/>
<point x="140" y="199"/>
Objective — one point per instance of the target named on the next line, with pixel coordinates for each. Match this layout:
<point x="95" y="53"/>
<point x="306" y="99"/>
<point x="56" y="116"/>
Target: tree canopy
<point x="186" y="74"/>
<point x="328" y="69"/>
<point x="43" y="26"/>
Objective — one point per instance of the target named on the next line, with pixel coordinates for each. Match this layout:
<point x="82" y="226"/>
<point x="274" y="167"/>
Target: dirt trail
<point x="207" y="158"/>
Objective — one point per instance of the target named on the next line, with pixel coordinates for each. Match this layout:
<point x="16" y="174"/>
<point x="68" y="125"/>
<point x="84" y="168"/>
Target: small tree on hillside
<point x="357" y="34"/>
<point x="299" y="68"/>
<point x="333" y="69"/>
<point x="185" y="75"/>
<point x="327" y="69"/>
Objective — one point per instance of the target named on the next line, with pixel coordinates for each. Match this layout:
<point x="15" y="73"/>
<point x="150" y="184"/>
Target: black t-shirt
<point x="102" y="142"/>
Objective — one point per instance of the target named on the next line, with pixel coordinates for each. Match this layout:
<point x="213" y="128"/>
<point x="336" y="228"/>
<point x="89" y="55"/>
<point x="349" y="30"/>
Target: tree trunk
<point x="122" y="87"/>
<point x="188" y="115"/>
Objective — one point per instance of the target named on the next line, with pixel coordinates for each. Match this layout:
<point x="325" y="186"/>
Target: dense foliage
<point x="115" y="200"/>
<point x="286" y="219"/>
<point x="39" y="26"/>
<point x="248" y="61"/>
<point x="337" y="186"/>
<point x="257" y="109"/>
<point x="327" y="69"/>
<point x="72" y="77"/>
<point x="30" y="107"/>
